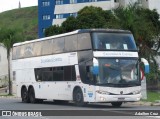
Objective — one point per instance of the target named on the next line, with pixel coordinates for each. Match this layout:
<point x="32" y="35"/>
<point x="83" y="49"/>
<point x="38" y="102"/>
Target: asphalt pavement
<point x="69" y="111"/>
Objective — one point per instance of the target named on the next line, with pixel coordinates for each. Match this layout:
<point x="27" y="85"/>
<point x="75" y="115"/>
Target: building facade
<point x="3" y="65"/>
<point x="54" y="12"/>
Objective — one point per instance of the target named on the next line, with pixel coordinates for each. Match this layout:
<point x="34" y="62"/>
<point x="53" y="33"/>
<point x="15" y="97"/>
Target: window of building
<point x="92" y="0"/>
<point x="46" y="17"/>
<point x="59" y="2"/>
<point x="116" y="0"/>
<point x="59" y="16"/>
<point x="43" y="30"/>
<point x="73" y="14"/>
<point x="140" y="1"/>
<point x="45" y="3"/>
<point x="73" y="1"/>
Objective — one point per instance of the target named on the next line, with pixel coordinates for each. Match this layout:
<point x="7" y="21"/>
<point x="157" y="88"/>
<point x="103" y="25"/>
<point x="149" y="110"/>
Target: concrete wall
<point x="3" y="67"/>
<point x="154" y="4"/>
<point x="125" y="3"/>
<point x="150" y="4"/>
<point x="3" y="61"/>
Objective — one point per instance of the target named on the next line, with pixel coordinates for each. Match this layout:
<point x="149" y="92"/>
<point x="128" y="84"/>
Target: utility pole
<point x="19" y="5"/>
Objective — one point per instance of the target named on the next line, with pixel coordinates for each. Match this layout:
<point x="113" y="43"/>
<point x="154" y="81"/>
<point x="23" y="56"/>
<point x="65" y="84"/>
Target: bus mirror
<point x="146" y="65"/>
<point x="95" y="70"/>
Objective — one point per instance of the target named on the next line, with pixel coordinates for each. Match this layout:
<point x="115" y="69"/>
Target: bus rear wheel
<point x="32" y="95"/>
<point x="24" y="95"/>
<point x="78" y="97"/>
<point x="116" y="104"/>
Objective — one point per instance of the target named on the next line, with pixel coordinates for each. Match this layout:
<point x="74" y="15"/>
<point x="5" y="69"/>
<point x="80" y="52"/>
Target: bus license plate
<point x="121" y="99"/>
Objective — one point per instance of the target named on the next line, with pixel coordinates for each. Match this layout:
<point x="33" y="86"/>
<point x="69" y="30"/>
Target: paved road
<point x="91" y="110"/>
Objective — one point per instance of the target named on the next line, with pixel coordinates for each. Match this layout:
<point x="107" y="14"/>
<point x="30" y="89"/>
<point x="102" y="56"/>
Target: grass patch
<point x="24" y="19"/>
<point x="152" y="96"/>
<point x="6" y="95"/>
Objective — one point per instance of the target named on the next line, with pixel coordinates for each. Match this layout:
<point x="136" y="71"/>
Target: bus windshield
<point x="116" y="72"/>
<point x="113" y="41"/>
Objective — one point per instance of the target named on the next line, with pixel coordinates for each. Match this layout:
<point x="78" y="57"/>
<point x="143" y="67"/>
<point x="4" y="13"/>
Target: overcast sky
<point x="13" y="4"/>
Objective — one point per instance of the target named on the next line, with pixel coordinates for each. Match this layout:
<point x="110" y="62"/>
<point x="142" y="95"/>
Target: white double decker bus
<point x="83" y="66"/>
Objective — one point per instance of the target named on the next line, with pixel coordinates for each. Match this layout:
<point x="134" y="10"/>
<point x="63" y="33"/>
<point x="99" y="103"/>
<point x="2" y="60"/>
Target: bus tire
<point x="116" y="104"/>
<point x="78" y="97"/>
<point x="24" y="95"/>
<point x="39" y="100"/>
<point x="31" y="95"/>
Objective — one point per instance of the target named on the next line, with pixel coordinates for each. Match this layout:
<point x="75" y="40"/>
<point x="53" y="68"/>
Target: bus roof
<point x="73" y="32"/>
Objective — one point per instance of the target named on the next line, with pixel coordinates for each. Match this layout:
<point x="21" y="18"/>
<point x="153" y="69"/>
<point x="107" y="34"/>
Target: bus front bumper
<point x="117" y="98"/>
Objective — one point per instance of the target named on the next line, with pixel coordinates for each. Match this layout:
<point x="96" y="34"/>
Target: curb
<point x="145" y="103"/>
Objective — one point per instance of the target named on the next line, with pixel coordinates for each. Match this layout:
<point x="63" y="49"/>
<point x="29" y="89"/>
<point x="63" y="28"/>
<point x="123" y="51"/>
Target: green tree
<point x="8" y="37"/>
<point x="53" y="30"/>
<point x="88" y="17"/>
<point x="91" y="17"/>
<point x="143" y="23"/>
<point x="145" y="26"/>
<point x="70" y="24"/>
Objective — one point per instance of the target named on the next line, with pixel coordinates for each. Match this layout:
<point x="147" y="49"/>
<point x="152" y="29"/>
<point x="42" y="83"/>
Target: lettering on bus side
<point x="51" y="60"/>
<point x="118" y="54"/>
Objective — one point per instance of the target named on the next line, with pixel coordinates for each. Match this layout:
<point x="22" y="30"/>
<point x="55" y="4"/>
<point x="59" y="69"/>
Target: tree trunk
<point x="9" y="77"/>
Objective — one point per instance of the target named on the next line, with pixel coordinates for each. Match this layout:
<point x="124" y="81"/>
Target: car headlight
<point x="136" y="92"/>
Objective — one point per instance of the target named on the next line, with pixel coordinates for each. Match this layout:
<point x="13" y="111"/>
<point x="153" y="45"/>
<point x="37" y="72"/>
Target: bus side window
<point x="73" y="72"/>
<point x="38" y="74"/>
<point x="58" y="74"/>
<point x="69" y="73"/>
<point x="47" y="74"/>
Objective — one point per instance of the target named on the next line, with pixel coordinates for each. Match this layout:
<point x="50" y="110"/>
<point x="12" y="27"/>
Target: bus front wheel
<point x="78" y="97"/>
<point x="116" y="104"/>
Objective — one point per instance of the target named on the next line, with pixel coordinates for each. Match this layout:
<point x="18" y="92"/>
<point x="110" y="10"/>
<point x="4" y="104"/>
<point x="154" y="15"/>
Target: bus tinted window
<point x="113" y="41"/>
<point x="69" y="73"/>
<point x="84" y="41"/>
<point x="58" y="74"/>
<point x="66" y="73"/>
<point x="27" y="50"/>
<point x="58" y="45"/>
<point x="47" y="47"/>
<point x="37" y="48"/>
<point x="47" y="74"/>
<point x="71" y="43"/>
<point x="38" y="74"/>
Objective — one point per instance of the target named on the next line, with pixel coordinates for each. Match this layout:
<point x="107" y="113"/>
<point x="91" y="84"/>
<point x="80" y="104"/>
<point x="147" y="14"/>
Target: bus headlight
<point x="136" y="92"/>
<point x="103" y="92"/>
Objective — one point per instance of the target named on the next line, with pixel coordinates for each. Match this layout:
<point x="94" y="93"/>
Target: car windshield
<point x="113" y="41"/>
<point x="118" y="72"/>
